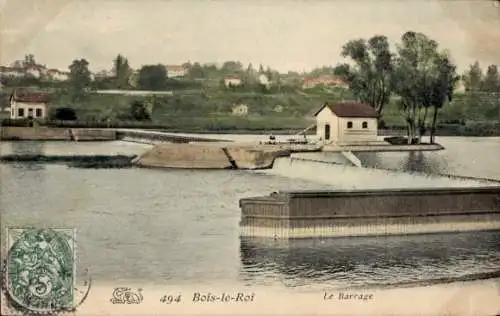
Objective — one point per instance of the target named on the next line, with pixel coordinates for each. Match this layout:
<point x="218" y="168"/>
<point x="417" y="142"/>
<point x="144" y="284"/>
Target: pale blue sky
<point x="285" y="34"/>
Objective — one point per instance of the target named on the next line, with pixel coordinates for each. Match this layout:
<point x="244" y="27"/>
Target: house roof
<point x="350" y="109"/>
<point x="31" y="97"/>
<point x="175" y="67"/>
<point x="53" y="70"/>
<point x="8" y="69"/>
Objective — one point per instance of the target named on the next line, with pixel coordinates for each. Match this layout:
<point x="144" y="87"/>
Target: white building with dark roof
<point x="27" y="104"/>
<point x="346" y="122"/>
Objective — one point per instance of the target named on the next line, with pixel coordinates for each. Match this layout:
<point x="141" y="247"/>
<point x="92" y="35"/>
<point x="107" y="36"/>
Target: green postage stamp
<point x="40" y="270"/>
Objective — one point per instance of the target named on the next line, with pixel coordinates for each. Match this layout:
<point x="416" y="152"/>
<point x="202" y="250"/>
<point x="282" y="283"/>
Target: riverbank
<point x="259" y="125"/>
<point x="43" y="133"/>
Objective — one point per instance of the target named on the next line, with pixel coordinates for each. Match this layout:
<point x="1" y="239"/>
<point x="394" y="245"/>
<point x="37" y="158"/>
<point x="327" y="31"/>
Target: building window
<point x="349" y="124"/>
<point x="30" y="112"/>
<point x="38" y="113"/>
<point x="365" y="124"/>
<point x="20" y="112"/>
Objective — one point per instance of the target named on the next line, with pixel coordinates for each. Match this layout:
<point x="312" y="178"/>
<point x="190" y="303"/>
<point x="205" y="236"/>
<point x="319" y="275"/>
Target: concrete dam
<point x="355" y="206"/>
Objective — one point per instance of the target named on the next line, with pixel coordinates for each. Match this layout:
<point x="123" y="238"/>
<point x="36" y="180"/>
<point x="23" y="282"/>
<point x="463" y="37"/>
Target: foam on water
<point x="335" y="172"/>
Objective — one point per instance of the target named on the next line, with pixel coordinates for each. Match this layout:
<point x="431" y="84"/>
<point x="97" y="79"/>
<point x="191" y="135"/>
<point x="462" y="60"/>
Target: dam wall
<point x="248" y="158"/>
<point x="370" y="212"/>
<point x="334" y="170"/>
<point x="209" y="156"/>
<point x="42" y="133"/>
<point x="189" y="156"/>
<point x="86" y="134"/>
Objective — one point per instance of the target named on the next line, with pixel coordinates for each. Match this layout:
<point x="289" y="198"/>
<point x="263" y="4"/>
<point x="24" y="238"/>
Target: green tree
<point x="232" y="67"/>
<point x="187" y="65"/>
<point x="261" y="69"/>
<point x="210" y="71"/>
<point x="65" y="114"/>
<point x="17" y="64"/>
<point x="152" y="77"/>
<point x="370" y="79"/>
<point x="122" y="72"/>
<point x="491" y="81"/>
<point x="424" y="79"/>
<point x="473" y="77"/>
<point x="413" y="78"/>
<point x="323" y="71"/>
<point x="442" y="89"/>
<point x="250" y="70"/>
<point x="196" y="71"/>
<point x="79" y="79"/>
<point x="139" y="112"/>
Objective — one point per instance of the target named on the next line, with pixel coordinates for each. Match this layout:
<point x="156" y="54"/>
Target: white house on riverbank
<point x="346" y="122"/>
<point x="26" y="104"/>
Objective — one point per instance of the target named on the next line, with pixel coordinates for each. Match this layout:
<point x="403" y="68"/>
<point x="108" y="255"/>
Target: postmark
<point x="40" y="271"/>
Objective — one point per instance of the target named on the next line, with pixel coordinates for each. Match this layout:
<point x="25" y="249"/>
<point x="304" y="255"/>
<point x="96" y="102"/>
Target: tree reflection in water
<point x="414" y="161"/>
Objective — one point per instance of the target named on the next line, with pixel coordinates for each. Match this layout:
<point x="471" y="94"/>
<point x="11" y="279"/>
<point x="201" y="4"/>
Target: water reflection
<point x="28" y="166"/>
<point x="422" y="162"/>
<point x="368" y="261"/>
<point x="23" y="148"/>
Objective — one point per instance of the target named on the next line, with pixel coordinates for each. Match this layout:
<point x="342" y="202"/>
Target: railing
<point x="306" y="129"/>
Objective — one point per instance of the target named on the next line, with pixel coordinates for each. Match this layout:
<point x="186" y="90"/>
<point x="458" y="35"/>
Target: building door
<point x="327" y="131"/>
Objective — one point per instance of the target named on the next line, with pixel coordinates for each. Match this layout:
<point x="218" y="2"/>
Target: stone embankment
<point x="85" y="134"/>
<point x="211" y="156"/>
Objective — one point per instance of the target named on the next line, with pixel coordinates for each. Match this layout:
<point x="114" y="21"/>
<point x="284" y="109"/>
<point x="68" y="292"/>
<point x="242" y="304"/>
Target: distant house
<point x="27" y="104"/>
<point x="346" y="122"/>
<point x="331" y="81"/>
<point x="133" y="80"/>
<point x="174" y="71"/>
<point x="278" y="108"/>
<point x="263" y="80"/>
<point x="33" y="72"/>
<point x="240" y="109"/>
<point x="58" y="75"/>
<point x="232" y="81"/>
<point x="11" y="72"/>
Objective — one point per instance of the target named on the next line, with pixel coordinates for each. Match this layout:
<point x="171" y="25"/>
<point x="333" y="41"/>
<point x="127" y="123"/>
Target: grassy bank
<point x="209" y="110"/>
<point x="257" y="125"/>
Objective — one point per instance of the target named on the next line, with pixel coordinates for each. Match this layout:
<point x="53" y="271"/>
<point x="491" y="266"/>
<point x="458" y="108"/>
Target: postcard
<point x="253" y="157"/>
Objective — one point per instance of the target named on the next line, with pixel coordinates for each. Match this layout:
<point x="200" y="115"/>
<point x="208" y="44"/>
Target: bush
<point x="65" y="114"/>
<point x="25" y="122"/>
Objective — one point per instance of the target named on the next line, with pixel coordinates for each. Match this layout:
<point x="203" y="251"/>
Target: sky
<point x="288" y="35"/>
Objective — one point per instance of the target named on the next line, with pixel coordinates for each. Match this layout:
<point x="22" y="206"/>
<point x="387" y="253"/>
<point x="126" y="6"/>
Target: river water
<point x="182" y="226"/>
